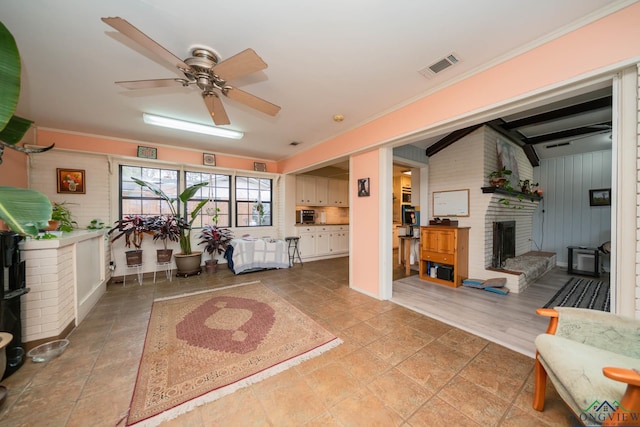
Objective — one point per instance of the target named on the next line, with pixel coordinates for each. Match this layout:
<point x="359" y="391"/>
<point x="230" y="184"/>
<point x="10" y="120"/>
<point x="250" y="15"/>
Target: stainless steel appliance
<point x="305" y="216"/>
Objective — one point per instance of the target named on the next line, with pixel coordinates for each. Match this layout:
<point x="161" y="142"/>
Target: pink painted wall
<point x="601" y="44"/>
<point x="73" y="141"/>
<point x="365" y="223"/>
<point x="13" y="170"/>
<point x="597" y="46"/>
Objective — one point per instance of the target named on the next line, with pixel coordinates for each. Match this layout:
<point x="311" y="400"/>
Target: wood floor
<point x="507" y="320"/>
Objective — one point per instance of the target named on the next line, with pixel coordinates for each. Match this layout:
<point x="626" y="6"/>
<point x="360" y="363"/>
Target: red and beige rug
<point x="203" y="346"/>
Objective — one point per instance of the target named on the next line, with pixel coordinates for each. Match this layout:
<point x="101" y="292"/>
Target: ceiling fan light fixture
<point x="152" y="119"/>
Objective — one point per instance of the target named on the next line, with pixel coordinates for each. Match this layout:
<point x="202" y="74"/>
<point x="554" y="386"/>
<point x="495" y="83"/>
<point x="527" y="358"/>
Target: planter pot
<point x="188" y="265"/>
<point x="497" y="182"/>
<point x="53" y="225"/>
<point x="134" y="257"/>
<point x="5" y="339"/>
<point x="164" y="255"/>
<point x="211" y="265"/>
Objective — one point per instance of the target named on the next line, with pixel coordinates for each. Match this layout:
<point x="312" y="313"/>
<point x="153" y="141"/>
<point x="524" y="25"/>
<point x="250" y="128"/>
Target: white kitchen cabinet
<point x="307" y="242"/>
<point x="338" y="192"/>
<point x="322" y="191"/>
<point x="339" y="242"/>
<point x="322" y="241"/>
<point x="306" y="190"/>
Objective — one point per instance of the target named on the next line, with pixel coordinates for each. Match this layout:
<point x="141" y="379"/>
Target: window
<point x="135" y="200"/>
<point x="253" y="201"/>
<point x="218" y="192"/>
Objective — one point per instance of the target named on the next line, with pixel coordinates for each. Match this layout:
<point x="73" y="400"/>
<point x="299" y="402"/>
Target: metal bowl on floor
<point x="48" y="351"/>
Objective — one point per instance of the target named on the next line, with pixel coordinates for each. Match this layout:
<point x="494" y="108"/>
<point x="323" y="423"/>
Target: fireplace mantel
<point x="513" y="193"/>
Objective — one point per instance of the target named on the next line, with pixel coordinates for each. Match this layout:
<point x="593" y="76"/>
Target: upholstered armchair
<point x="593" y="360"/>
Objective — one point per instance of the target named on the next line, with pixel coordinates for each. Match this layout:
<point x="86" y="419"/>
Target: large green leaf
<point x="25" y="211"/>
<point x="9" y="76"/>
<point x="14" y="130"/>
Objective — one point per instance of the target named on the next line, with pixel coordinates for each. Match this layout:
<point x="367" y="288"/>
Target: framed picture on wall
<point x="600" y="197"/>
<point x="147" y="152"/>
<point x="259" y="167"/>
<point x="363" y="187"/>
<point x="209" y="159"/>
<point x="71" y="181"/>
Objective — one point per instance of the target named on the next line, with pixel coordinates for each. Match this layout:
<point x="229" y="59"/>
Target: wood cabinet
<point x="447" y="247"/>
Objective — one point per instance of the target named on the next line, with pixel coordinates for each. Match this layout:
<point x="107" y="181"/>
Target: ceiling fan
<point x="203" y="70"/>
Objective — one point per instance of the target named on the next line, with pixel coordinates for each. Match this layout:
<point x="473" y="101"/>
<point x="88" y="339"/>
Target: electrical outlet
<point x="112" y="266"/>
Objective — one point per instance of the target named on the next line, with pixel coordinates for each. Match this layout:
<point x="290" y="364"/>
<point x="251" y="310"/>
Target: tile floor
<point x="395" y="368"/>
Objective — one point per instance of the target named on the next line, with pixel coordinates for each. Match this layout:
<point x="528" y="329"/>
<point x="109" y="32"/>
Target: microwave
<point x="305" y="216"/>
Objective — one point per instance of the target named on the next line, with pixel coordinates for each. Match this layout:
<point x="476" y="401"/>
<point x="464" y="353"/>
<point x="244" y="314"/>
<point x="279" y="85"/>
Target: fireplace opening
<point x="504" y="242"/>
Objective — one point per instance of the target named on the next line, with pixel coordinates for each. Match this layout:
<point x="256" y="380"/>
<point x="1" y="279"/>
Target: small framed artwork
<point x="209" y="159"/>
<point x="71" y="181"/>
<point x="259" y="167"/>
<point x="363" y="187"/>
<point x="147" y="152"/>
<point x="600" y="197"/>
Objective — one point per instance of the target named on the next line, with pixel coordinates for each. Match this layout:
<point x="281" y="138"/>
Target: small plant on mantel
<point x="500" y="177"/>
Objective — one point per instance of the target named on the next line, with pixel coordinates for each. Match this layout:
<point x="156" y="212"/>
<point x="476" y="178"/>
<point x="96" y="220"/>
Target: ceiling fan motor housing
<point x="201" y="72"/>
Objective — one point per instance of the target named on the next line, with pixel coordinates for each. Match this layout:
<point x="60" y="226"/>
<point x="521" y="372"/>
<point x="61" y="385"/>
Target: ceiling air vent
<point x="560" y="144"/>
<point x="440" y="65"/>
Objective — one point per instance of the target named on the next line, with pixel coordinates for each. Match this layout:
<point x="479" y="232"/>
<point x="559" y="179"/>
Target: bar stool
<point x="293" y="249"/>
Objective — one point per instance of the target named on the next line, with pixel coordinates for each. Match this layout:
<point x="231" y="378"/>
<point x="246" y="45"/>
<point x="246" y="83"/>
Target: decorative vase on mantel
<point x="498" y="182"/>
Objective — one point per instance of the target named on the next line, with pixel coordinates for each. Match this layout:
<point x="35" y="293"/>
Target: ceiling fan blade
<point x="145" y="41"/>
<point x="240" y="64"/>
<point x="251" y="101"/>
<point x="216" y="109"/>
<point x="151" y="84"/>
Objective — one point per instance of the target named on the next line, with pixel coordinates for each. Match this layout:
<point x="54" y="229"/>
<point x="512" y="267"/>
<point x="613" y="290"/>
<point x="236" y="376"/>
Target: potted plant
<point x="133" y="228"/>
<point x="61" y="215"/>
<point x="499" y="178"/>
<point x="187" y="262"/>
<point x="96" y="224"/>
<point x="165" y="228"/>
<point x="216" y="241"/>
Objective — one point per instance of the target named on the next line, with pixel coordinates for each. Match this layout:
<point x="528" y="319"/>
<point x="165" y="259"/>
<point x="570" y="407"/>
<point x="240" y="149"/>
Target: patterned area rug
<point x="582" y="293"/>
<point x="204" y="346"/>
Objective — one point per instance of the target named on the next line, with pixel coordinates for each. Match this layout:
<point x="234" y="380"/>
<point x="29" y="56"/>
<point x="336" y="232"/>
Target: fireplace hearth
<point x="504" y="242"/>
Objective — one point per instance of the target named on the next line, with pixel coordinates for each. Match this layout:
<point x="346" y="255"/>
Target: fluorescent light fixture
<point x="167" y="122"/>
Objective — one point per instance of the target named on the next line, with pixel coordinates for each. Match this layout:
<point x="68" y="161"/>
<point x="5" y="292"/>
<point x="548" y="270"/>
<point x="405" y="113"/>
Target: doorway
<point x="619" y="129"/>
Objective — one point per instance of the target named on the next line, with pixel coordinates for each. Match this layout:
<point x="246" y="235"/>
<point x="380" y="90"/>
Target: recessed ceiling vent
<point x="440" y="65"/>
<point x="560" y="144"/>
